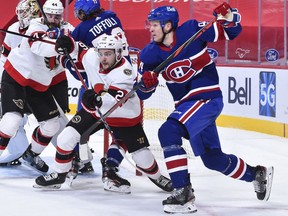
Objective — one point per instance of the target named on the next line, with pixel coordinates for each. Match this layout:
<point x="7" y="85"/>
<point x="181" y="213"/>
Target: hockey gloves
<point x="53" y="33"/>
<point x="91" y="100"/>
<point x="64" y="42"/>
<point x="227" y="16"/>
<point x="149" y="81"/>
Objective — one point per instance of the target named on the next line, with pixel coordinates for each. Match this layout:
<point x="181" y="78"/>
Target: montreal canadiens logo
<point x="272" y="55"/>
<point x="180" y="71"/>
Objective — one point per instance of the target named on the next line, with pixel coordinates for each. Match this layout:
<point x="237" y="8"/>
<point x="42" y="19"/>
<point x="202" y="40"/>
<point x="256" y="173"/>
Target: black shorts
<point x="82" y="121"/>
<point x="60" y="93"/>
<point x="16" y="98"/>
<point x="133" y="137"/>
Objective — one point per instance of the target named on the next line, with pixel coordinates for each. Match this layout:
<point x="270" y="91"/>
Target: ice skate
<point x="113" y="182"/>
<point x="51" y="181"/>
<point x="34" y="161"/>
<point x="181" y="201"/>
<point x="73" y="172"/>
<point x="86" y="168"/>
<point x="13" y="163"/>
<point x="263" y="182"/>
<point x="163" y="183"/>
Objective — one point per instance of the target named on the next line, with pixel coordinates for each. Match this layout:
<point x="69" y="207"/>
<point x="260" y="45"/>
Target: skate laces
<point x="162" y="180"/>
<point x="38" y="161"/>
<point x="177" y="193"/>
<point x="260" y="180"/>
<point x="51" y="176"/>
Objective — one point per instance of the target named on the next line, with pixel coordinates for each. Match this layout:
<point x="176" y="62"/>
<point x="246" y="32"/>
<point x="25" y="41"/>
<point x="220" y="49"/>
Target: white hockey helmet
<point x="111" y="42"/>
<point x="23" y="13"/>
<point x="53" y="7"/>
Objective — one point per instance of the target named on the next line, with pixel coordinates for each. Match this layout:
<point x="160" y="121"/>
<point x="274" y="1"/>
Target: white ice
<point x="216" y="195"/>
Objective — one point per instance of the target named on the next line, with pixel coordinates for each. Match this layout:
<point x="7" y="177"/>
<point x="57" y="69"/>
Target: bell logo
<point x="241" y="94"/>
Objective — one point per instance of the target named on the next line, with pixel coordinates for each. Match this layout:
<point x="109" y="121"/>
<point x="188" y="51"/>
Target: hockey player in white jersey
<point x="112" y="77"/>
<point x="25" y="11"/>
<point x="29" y="72"/>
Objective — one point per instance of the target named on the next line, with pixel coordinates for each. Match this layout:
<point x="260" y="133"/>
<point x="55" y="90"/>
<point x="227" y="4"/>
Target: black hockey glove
<point x="91" y="100"/>
<point x="64" y="42"/>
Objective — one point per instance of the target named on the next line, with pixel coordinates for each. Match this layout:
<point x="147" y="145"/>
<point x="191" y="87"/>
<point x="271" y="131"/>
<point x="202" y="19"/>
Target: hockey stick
<point x="85" y="136"/>
<point x="28" y="36"/>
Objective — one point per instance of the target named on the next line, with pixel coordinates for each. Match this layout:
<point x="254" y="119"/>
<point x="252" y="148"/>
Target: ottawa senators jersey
<point x="10" y="41"/>
<point x="25" y="63"/>
<point x="113" y="85"/>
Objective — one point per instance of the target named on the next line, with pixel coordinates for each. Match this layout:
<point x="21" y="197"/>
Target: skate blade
<point x="71" y="176"/>
<point x="110" y="186"/>
<point x="48" y="187"/>
<point x="184" y="209"/>
<point x="270" y="173"/>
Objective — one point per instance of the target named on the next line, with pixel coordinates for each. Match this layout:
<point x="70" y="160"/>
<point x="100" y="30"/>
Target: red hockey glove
<point x="91" y="100"/>
<point x="149" y="80"/>
<point x="226" y="15"/>
<point x="64" y="42"/>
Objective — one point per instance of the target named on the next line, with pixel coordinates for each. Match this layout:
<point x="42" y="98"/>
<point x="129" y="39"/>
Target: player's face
<point x="156" y="31"/>
<point x="107" y="58"/>
<point x="54" y="19"/>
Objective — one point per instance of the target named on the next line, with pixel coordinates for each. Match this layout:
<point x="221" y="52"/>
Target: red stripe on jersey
<point x="59" y="78"/>
<point x="3" y="135"/>
<point x="63" y="161"/>
<point x="6" y="50"/>
<point x="221" y="35"/>
<point x="191" y="111"/>
<point x="240" y="169"/>
<point x="62" y="151"/>
<point x="98" y="88"/>
<point x="176" y="163"/>
<point x="195" y="92"/>
<point x="202" y="60"/>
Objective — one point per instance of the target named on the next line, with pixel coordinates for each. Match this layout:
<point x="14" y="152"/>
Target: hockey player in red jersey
<point x="29" y="72"/>
<point x="192" y="79"/>
<point x="112" y="76"/>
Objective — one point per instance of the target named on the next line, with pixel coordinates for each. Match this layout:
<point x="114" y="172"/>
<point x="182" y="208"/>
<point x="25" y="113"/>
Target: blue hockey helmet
<point x="86" y="6"/>
<point x="164" y="14"/>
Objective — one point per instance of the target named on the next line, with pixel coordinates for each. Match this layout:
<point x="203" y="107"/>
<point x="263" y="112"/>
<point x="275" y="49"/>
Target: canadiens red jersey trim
<point x="176" y="163"/>
<point x="239" y="170"/>
<point x="196" y="91"/>
<point x="190" y="112"/>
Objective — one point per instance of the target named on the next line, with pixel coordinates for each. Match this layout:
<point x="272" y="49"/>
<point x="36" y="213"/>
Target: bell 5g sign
<point x="267" y="94"/>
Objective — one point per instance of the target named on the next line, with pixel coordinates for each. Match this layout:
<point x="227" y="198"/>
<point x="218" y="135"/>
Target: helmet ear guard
<point x="164" y="14"/>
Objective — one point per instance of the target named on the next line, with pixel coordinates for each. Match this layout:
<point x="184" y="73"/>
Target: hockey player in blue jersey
<point x="192" y="80"/>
